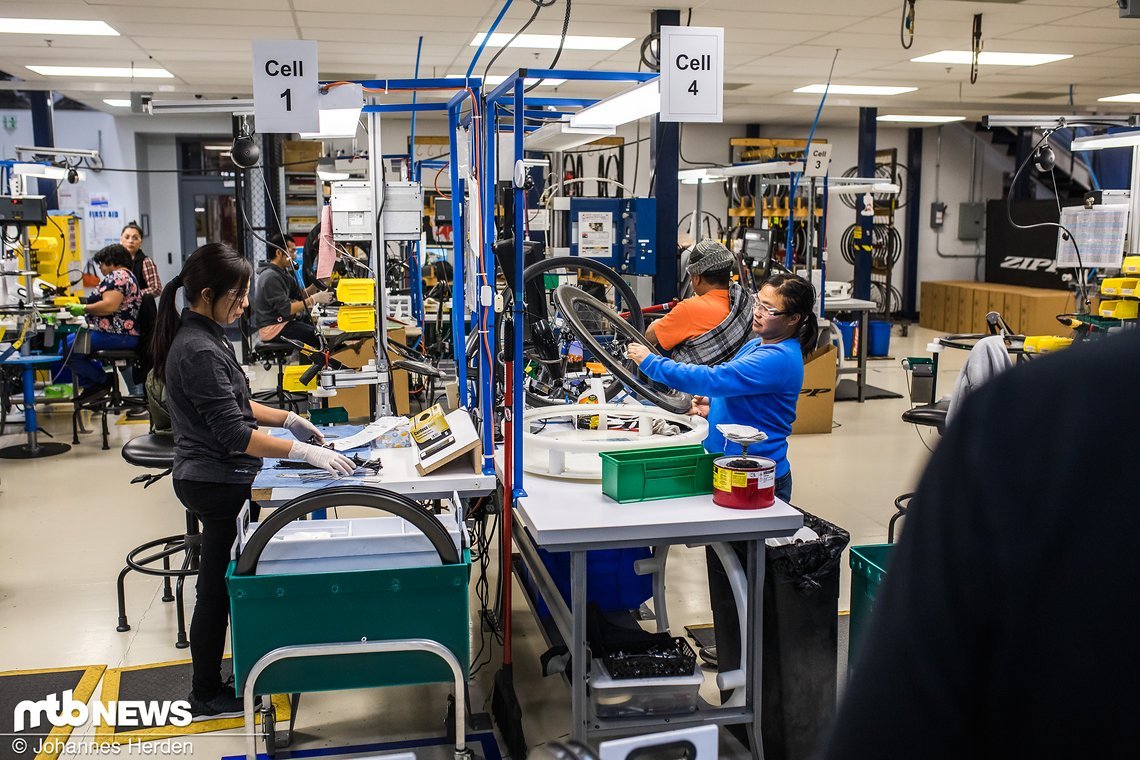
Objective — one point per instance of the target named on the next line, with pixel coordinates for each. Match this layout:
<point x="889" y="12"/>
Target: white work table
<point x="574" y="517"/>
<point x="831" y="305"/>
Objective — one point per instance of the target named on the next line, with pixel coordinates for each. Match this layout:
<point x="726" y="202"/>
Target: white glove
<point x="326" y="459"/>
<point x="301" y="428"/>
<point x="321" y="297"/>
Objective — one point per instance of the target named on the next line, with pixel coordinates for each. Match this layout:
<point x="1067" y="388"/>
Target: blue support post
<point x="866" y="228"/>
<point x="666" y="163"/>
<point x="43" y="136"/>
<point x="910" y="251"/>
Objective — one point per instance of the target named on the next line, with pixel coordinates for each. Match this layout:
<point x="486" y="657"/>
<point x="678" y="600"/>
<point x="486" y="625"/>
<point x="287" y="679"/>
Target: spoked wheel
<point x="604" y="337"/>
<point x="553" y="372"/>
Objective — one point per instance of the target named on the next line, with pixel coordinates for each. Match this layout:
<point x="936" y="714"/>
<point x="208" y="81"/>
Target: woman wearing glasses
<point x="758" y="387"/>
<point x="217" y="444"/>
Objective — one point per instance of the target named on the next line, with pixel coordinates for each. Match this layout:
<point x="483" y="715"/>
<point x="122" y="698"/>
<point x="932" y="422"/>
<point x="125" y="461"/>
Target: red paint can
<point x="744" y="482"/>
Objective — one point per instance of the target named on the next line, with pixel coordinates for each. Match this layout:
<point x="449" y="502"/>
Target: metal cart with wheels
<point x="348" y="629"/>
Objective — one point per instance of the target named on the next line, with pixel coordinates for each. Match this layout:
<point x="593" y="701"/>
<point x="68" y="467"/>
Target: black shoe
<point x="92" y="392"/>
<point x="138" y="413"/>
<point x="225" y="705"/>
<point x="708" y="654"/>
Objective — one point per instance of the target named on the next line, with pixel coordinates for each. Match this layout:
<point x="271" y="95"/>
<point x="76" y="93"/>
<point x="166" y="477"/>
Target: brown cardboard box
<point x="932" y="310"/>
<point x="965" y="308"/>
<point x="950" y="318"/>
<point x="357" y="401"/>
<point x="978" y="312"/>
<point x="301" y="155"/>
<point x="816" y="404"/>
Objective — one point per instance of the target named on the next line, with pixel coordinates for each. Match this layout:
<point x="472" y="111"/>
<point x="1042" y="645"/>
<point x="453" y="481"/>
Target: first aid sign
<point x="692" y="73"/>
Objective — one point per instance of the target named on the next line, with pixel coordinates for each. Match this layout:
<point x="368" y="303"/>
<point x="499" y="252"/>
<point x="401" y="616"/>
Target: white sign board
<point x="104" y="226"/>
<point x="595" y="234"/>
<point x="692" y="73"/>
<point x="285" y="86"/>
<point x="818" y="159"/>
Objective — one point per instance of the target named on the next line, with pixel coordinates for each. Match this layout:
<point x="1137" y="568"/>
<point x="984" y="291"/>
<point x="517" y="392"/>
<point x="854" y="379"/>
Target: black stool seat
<point x="930" y="415"/>
<point x="272" y="349"/>
<point x="117" y="354"/>
<point x="153" y="451"/>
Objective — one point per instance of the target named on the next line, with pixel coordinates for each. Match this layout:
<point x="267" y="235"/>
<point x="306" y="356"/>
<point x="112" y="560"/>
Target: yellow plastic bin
<point x="356" y="291"/>
<point x="1119" y="309"/>
<point x="356" y="318"/>
<point x="291" y="381"/>
<point x="1131" y="265"/>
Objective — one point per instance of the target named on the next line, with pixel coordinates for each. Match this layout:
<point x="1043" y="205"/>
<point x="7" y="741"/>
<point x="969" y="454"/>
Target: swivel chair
<point x="156" y="452"/>
<point x="268" y="354"/>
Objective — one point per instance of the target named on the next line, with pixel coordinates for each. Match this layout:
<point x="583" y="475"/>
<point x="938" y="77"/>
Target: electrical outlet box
<point x="937" y="215"/>
<point x="971" y="217"/>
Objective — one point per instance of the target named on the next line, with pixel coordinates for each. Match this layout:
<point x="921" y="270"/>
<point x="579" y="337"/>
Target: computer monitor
<point x="758" y="248"/>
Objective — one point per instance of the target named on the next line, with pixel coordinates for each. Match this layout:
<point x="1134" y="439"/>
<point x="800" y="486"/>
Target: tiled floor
<point x="66" y="522"/>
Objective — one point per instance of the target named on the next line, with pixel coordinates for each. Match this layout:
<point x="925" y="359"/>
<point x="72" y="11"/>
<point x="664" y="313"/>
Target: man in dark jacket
<point x="281" y="307"/>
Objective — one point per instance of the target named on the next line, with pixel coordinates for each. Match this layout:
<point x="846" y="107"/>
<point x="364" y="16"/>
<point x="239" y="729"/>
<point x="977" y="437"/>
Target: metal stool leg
<point x="167" y="596"/>
<point x="123" y="626"/>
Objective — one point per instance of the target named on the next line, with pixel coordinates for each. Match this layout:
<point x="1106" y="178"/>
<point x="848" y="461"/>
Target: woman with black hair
<point x="142" y="266"/>
<point x="758" y="387"/>
<point x="111" y="312"/>
<point x="217" y="444"/>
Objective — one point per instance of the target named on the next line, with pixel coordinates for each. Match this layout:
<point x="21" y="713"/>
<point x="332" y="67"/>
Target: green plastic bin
<point x="658" y="473"/>
<point x="272" y="611"/>
<point x="868" y="570"/>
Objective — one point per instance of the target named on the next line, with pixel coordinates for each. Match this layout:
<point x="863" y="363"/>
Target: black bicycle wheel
<point x="585" y="314"/>
<point x="551" y="371"/>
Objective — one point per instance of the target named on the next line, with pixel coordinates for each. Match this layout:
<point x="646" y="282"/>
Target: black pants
<point x="725" y="618"/>
<point x="302" y="331"/>
<point x="216" y="506"/>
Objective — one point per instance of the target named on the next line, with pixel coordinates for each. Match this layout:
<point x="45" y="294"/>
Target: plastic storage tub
<point x="868" y="570"/>
<point x="356" y="291"/>
<point x="878" y="338"/>
<point x="614" y="698"/>
<point x="291" y="379"/>
<point x="657" y="473"/>
<point x="356" y="318"/>
<point x="1119" y="309"/>
<point x="365" y="543"/>
<point x="611" y="581"/>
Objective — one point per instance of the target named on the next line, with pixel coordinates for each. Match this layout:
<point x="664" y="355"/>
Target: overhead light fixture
<point x="52" y="26"/>
<point x="327" y="171"/>
<point x="494" y="80"/>
<point x="117" y="102"/>
<point x="126" y="72"/>
<point x="916" y="119"/>
<point x="1099" y="142"/>
<point x="40" y="171"/>
<point x="219" y="146"/>
<point x="236" y="106"/>
<point x="988" y="58"/>
<point x="1056" y="121"/>
<point x="702" y="176"/>
<point x="853" y="89"/>
<point x="1128" y="97"/>
<point x="552" y="41"/>
<point x="622" y="108"/>
<point x="340" y="112"/>
<point x="561" y="135"/>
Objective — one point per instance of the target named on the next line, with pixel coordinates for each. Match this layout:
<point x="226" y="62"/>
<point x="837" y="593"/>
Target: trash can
<point x="801" y="638"/>
<point x="850" y="333"/>
<point x="879" y="338"/>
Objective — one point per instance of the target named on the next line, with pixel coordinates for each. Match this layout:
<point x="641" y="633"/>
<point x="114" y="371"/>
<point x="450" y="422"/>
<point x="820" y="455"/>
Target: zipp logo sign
<point x="813" y="392"/>
<point x="1029" y="264"/>
<point x="63" y="710"/>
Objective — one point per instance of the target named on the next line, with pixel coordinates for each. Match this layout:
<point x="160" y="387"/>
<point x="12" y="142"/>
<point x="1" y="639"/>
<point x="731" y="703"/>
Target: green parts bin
<point x="868" y="570"/>
<point x="273" y="611"/>
<point x="659" y="473"/>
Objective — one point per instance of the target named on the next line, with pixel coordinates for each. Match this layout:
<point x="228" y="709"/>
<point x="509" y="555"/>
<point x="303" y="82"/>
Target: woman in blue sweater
<point x="758" y="387"/>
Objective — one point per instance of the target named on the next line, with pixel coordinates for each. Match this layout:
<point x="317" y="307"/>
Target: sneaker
<point x="708" y="654"/>
<point x="138" y="413"/>
<point x="225" y="705"/>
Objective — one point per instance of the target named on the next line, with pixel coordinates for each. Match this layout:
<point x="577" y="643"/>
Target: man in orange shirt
<point x="713" y="324"/>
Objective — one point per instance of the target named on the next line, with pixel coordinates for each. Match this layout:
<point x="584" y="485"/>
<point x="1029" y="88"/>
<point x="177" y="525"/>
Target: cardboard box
<point x="932" y="310"/>
<point x="978" y="312"/>
<point x="357" y="401"/>
<point x="816" y="404"/>
<point x="301" y="155"/>
<point x="965" y="308"/>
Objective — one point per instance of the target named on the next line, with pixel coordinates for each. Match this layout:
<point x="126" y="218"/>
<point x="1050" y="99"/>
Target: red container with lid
<point x="742" y="482"/>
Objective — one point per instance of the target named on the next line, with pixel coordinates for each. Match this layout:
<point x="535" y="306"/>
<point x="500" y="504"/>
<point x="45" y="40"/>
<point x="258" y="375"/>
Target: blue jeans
<point x="784" y="487"/>
<point x="90" y="371"/>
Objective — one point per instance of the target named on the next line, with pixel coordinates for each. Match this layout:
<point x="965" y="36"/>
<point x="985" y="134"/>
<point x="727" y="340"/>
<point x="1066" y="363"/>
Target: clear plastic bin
<point x="643" y="696"/>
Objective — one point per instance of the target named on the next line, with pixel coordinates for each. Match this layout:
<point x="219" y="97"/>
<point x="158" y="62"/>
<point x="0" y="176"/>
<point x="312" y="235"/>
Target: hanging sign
<point x="285" y="86"/>
<point x="692" y="73"/>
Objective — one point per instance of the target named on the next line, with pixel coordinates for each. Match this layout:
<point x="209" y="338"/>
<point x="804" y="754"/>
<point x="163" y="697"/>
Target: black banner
<point x="1024" y="257"/>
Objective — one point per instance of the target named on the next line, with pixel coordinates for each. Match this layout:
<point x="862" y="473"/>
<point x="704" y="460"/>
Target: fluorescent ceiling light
<point x="101" y="71"/>
<point x="327" y="170"/>
<point x="1117" y="140"/>
<point x="560" y="135"/>
<point x="920" y="119"/>
<point x="233" y="106"/>
<point x="117" y="102"/>
<point x="51" y="26"/>
<point x="494" y="80"/>
<point x="631" y="105"/>
<point x="219" y="146"/>
<point x="551" y="41"/>
<point x="44" y="171"/>
<point x="987" y="58"/>
<point x="854" y="89"/>
<point x="340" y="112"/>
<point x="701" y="176"/>
<point x="1128" y="97"/>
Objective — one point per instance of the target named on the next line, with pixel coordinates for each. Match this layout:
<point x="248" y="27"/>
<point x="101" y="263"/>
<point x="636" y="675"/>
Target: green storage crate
<point x="658" y="473"/>
<point x="868" y="570"/>
<point x="272" y="611"/>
